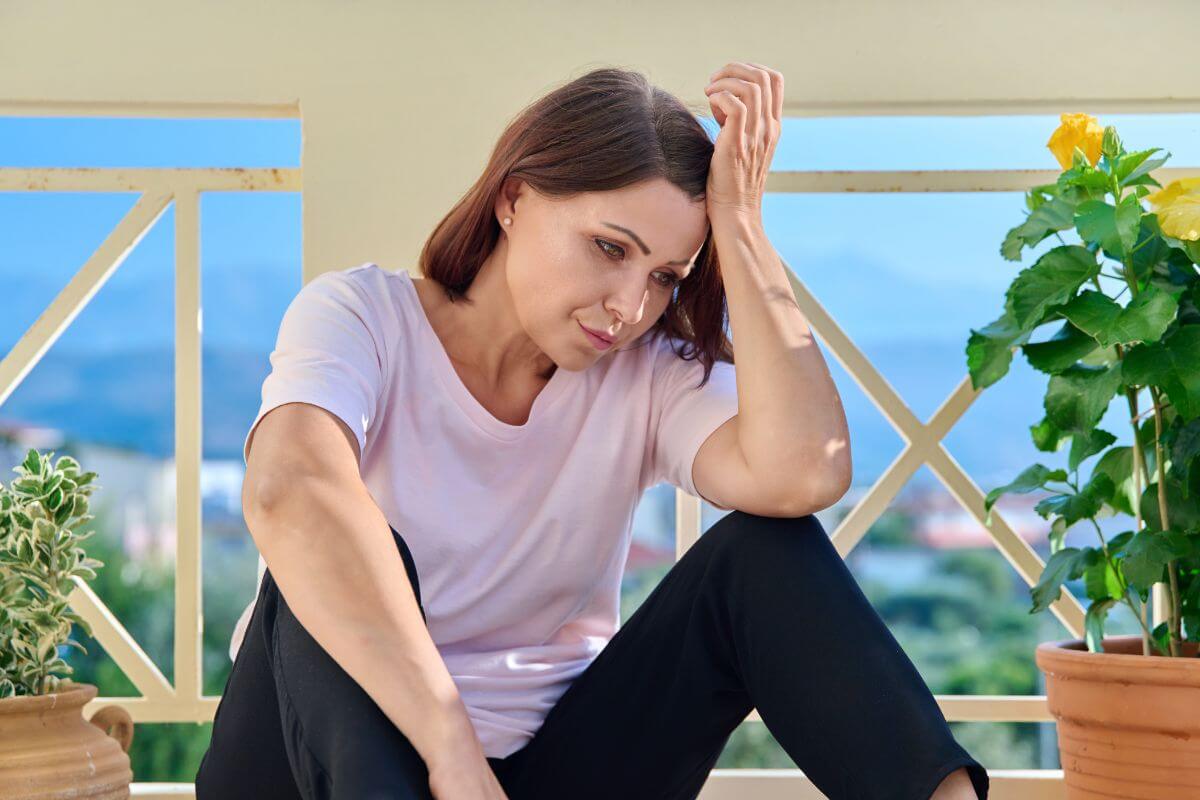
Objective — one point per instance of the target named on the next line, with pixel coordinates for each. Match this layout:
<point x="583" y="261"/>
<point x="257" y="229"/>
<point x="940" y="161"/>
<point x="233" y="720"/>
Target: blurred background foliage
<point x="966" y="631"/>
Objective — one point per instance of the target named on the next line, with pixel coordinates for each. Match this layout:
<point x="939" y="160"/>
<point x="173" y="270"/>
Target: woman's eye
<point x="605" y="247"/>
<point x="667" y="279"/>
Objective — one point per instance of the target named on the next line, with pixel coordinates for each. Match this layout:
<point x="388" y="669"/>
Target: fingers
<point x="761" y="90"/>
<point x="732" y="118"/>
<point x="750" y="96"/>
<point x="718" y="112"/>
<point x="775" y="83"/>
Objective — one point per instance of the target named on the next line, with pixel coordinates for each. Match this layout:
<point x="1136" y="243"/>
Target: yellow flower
<point x="1181" y="219"/>
<point x="1076" y="129"/>
<point x="1173" y="190"/>
<point x="1177" y="207"/>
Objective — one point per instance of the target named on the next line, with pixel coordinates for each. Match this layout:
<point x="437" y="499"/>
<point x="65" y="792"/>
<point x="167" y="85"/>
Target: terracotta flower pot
<point x="1128" y="724"/>
<point x="48" y="751"/>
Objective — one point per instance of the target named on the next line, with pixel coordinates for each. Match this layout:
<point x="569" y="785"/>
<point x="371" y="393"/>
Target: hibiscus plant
<point x="1145" y="350"/>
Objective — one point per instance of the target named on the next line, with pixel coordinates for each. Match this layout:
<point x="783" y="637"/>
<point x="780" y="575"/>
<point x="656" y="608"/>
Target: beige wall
<point x="402" y="101"/>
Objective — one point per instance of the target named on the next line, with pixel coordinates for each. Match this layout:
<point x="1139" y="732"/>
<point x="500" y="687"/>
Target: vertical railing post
<point x="189" y="601"/>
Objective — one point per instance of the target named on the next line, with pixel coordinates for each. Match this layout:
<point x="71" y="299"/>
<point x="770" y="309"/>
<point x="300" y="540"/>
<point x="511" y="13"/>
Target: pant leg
<point x="246" y="757"/>
<point x="294" y="712"/>
<point x="761" y="612"/>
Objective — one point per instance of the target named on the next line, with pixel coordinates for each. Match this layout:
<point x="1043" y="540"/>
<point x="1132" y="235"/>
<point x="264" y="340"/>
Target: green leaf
<point x="989" y="350"/>
<point x="1058" y="529"/>
<point x="1100" y="579"/>
<point x="1161" y="637"/>
<point x="1084" y="176"/>
<point x="1184" y="512"/>
<point x="1151" y="251"/>
<point x="1132" y="166"/>
<point x="80" y="621"/>
<point x="1117" y="464"/>
<point x="1087" y="444"/>
<point x="1052" y="280"/>
<point x="1077" y="397"/>
<point x="1172" y="363"/>
<point x="1117" y="544"/>
<point x="1184" y="445"/>
<point x="1062" y="350"/>
<point x="1093" y="624"/>
<point x="46" y="647"/>
<point x="44" y="618"/>
<point x="1148" y="553"/>
<point x="1065" y="565"/>
<point x="1030" y="479"/>
<point x="1144" y="319"/>
<point x="1056" y="214"/>
<point x="76" y="645"/>
<point x="1115" y="228"/>
<point x="1046" y="437"/>
<point x="1082" y="504"/>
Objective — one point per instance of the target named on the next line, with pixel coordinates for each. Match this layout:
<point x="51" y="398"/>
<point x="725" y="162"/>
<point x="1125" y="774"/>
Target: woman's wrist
<point x="453" y="743"/>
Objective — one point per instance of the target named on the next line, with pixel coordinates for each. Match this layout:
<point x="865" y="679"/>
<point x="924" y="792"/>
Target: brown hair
<point x="601" y="131"/>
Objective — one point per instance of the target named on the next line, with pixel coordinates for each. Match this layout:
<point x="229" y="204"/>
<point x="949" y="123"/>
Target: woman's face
<point x="607" y="260"/>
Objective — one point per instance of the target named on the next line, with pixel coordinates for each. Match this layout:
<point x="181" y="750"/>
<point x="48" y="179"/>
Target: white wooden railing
<point x="160" y="701"/>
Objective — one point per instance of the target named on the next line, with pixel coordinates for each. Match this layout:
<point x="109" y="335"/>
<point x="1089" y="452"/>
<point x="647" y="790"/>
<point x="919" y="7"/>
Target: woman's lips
<point x="598" y="341"/>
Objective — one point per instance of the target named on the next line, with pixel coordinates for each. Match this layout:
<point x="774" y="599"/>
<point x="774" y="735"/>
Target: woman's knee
<point x="786" y="554"/>
<point x="757" y="539"/>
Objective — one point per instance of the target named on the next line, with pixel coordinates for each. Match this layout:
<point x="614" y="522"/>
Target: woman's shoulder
<point x="367" y="297"/>
<point x="367" y="276"/>
<point x="377" y="291"/>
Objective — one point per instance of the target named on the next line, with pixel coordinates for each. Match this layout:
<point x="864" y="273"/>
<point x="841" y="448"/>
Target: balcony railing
<point x="183" y="701"/>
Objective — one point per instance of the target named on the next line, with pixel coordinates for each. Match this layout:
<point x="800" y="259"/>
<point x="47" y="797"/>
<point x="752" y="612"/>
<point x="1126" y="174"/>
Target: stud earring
<point x="508" y="220"/>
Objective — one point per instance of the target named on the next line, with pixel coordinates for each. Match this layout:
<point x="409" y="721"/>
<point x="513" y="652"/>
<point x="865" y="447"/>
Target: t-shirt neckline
<point x="458" y="391"/>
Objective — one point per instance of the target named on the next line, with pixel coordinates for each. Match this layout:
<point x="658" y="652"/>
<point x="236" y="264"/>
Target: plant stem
<point x="1173" y="607"/>
<point x="1139" y="470"/>
<point x="1125" y="591"/>
<point x="1139" y="457"/>
<point x="1175" y="612"/>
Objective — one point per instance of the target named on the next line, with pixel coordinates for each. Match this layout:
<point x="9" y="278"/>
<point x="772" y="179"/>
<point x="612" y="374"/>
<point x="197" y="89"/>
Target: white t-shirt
<point x="519" y="533"/>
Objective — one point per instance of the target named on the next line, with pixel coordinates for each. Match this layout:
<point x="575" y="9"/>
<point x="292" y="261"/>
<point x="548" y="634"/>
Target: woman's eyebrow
<point x="637" y="239"/>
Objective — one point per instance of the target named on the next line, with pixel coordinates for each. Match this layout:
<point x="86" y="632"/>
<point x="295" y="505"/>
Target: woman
<point x="501" y="416"/>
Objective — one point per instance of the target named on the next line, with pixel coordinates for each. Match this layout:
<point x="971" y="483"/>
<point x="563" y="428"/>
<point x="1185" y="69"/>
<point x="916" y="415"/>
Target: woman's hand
<point x="747" y="102"/>
<point x="462" y="772"/>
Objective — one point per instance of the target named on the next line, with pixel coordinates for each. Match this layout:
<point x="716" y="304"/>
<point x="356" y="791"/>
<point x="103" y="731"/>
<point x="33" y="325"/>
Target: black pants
<point x="761" y="612"/>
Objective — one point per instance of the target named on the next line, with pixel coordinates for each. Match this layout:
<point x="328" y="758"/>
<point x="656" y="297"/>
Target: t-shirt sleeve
<point x="686" y="416"/>
<point x="329" y="352"/>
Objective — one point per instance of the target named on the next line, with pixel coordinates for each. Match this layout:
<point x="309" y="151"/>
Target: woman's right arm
<point x="330" y="551"/>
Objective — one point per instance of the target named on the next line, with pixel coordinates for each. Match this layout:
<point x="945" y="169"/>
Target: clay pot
<point x="48" y="751"/>
<point x="1128" y="724"/>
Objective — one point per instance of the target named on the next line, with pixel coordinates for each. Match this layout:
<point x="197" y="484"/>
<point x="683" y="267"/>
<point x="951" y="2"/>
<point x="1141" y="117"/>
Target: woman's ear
<point x="506" y="199"/>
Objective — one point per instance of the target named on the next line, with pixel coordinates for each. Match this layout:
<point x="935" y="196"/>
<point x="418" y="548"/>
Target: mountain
<point x="109" y="378"/>
<point x="126" y="399"/>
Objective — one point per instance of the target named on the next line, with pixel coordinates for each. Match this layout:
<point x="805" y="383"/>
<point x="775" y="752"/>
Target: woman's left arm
<point x="791" y="426"/>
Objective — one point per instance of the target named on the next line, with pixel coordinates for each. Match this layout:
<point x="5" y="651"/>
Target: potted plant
<point x="1127" y="707"/>
<point x="47" y="749"/>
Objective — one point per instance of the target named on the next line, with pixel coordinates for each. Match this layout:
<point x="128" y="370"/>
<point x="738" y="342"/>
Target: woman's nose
<point x="627" y="303"/>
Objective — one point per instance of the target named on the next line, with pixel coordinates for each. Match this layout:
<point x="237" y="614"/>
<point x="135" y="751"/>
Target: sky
<point x="905" y="275"/>
<point x="916" y="250"/>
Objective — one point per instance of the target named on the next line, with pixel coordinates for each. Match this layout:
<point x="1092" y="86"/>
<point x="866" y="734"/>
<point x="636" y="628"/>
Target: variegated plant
<point x="1146" y="347"/>
<point x="40" y="560"/>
